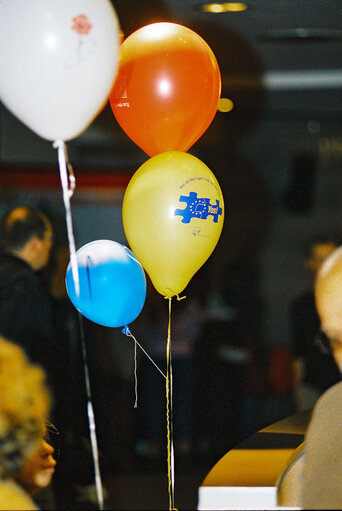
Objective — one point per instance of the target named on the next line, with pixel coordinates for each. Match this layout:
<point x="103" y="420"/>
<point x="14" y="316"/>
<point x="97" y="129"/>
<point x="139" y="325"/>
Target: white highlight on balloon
<point x="164" y="87"/>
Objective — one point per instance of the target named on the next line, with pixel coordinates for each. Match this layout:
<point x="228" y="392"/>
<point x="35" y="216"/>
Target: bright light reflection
<point x="164" y="87"/>
<point x="213" y="8"/>
<point x="235" y="6"/>
<point x="225" y="7"/>
<point x="50" y="41"/>
<point x="225" y="105"/>
<point x="157" y="31"/>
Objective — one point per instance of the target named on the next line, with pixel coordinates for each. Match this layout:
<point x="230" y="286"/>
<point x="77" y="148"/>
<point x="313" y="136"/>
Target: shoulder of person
<point x="12" y="496"/>
<point x="17" y="284"/>
<point x="12" y="267"/>
<point x="328" y="409"/>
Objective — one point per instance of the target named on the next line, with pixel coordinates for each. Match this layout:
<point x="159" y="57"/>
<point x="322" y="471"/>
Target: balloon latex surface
<point x="173" y="215"/>
<point x="112" y="283"/>
<point x="58" y="62"/>
<point x="167" y="88"/>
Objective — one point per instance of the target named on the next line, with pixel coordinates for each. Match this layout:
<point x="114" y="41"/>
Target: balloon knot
<point x="126" y="330"/>
<point x="58" y="143"/>
<point x="179" y="298"/>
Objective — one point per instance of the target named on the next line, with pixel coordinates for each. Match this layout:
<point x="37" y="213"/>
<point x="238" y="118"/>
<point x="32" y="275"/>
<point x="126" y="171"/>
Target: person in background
<point x="321" y="474"/>
<point x="314" y="369"/>
<point x="36" y="314"/>
<point x="36" y="474"/>
<point x="24" y="409"/>
<point x="25" y="310"/>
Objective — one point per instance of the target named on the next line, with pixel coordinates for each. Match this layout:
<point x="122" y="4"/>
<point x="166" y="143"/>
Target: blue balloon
<point x="112" y="283"/>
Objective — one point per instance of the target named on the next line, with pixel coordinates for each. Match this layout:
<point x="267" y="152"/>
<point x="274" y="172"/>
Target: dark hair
<point x="21" y="224"/>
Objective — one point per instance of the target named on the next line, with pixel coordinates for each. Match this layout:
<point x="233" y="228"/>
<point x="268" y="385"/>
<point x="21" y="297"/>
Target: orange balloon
<point x="167" y="87"/>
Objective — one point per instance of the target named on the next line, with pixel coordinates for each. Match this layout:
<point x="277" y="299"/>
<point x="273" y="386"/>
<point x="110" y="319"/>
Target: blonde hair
<point x="24" y="407"/>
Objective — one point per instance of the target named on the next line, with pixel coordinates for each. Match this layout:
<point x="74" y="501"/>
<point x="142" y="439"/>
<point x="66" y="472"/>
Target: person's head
<point x="38" y="469"/>
<point x="24" y="407"/>
<point x="316" y="252"/>
<point x="27" y="233"/>
<point x="328" y="295"/>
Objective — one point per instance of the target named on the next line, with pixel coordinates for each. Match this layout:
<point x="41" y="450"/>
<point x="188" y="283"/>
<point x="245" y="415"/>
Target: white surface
<point x="235" y="497"/>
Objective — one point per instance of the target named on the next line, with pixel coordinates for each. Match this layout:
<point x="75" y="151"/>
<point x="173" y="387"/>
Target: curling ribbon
<point x="68" y="187"/>
<point x="169" y="418"/>
<point x="91" y="419"/>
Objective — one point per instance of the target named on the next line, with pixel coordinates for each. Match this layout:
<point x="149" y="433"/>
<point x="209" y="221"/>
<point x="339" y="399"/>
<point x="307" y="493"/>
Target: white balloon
<point x="58" y="62"/>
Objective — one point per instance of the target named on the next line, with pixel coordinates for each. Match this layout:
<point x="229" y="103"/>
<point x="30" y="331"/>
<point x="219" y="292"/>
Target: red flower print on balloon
<point x="81" y="24"/>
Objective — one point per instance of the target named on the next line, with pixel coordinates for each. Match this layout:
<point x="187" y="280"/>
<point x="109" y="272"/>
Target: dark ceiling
<point x="279" y="59"/>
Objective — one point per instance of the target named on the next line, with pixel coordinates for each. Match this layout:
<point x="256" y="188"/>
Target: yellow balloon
<point x="173" y="215"/>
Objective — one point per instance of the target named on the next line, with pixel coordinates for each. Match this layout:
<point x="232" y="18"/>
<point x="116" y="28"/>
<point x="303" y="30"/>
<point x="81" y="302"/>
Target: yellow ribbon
<point x="169" y="417"/>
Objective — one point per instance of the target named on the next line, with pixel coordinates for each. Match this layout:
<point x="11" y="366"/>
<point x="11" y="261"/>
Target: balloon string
<point x="179" y="298"/>
<point x="169" y="417"/>
<point x="135" y="376"/>
<point x="91" y="419"/>
<point x="68" y="182"/>
<point x="126" y="331"/>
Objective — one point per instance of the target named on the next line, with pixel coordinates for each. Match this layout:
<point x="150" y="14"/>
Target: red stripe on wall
<point x="17" y="177"/>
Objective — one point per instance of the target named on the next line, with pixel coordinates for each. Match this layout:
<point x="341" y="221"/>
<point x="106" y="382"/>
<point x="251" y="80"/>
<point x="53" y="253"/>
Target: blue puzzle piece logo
<point x="198" y="207"/>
